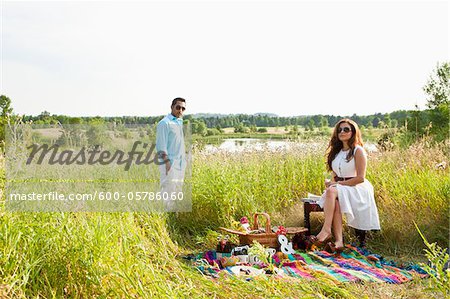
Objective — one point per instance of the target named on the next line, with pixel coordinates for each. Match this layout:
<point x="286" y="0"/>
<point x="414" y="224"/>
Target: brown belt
<point x="338" y="178"/>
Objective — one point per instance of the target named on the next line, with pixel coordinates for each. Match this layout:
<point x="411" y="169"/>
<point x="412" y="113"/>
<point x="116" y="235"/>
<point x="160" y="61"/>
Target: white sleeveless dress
<point x="357" y="202"/>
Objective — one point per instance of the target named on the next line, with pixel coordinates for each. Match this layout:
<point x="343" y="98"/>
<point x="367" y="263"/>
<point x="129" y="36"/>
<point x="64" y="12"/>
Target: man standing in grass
<point x="171" y="152"/>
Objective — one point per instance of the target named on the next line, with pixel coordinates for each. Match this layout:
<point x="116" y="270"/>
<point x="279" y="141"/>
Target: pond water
<point x="254" y="144"/>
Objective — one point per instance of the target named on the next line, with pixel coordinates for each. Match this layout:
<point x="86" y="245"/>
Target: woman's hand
<point x="329" y="183"/>
<point x="329" y="179"/>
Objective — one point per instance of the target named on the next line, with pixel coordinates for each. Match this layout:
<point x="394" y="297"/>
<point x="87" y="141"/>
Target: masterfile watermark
<point x="101" y="196"/>
<point x="95" y="155"/>
<point x="109" y="167"/>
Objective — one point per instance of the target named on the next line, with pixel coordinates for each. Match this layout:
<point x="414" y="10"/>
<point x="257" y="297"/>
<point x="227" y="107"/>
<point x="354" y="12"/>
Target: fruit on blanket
<point x="281" y="255"/>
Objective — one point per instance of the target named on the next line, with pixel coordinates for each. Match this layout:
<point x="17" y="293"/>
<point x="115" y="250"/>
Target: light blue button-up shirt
<point x="170" y="139"/>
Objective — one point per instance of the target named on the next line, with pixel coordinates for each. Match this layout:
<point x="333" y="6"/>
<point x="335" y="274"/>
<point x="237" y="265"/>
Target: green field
<point x="138" y="255"/>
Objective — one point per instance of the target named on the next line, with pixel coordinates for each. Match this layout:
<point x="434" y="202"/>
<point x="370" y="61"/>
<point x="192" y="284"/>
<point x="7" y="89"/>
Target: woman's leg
<point x="337" y="226"/>
<point x="329" y="211"/>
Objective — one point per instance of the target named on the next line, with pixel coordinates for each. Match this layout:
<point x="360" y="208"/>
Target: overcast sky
<point x="288" y="58"/>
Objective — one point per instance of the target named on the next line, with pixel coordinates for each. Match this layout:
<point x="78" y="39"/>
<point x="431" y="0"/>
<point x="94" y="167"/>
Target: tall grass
<point x="121" y="255"/>
<point x="410" y="187"/>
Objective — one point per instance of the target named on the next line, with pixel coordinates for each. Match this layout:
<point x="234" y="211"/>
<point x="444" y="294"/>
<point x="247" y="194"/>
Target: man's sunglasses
<point x="345" y="129"/>
<point x="178" y="107"/>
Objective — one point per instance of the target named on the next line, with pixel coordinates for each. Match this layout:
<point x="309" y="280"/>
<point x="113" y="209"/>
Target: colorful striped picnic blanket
<point x="352" y="265"/>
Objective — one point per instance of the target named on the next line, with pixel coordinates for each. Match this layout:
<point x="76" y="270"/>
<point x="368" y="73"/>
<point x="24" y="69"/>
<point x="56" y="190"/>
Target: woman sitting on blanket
<point x="348" y="192"/>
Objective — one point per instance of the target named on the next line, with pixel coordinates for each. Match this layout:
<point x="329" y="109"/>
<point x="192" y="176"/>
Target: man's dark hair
<point x="178" y="100"/>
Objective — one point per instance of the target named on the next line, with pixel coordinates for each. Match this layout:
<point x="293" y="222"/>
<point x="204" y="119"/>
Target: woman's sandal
<point x="313" y="241"/>
<point x="331" y="248"/>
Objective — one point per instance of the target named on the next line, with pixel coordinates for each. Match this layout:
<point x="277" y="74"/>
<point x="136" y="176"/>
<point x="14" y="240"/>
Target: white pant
<point x="171" y="184"/>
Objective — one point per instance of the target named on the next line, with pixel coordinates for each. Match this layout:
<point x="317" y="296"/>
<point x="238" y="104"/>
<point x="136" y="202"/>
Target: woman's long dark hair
<point x="335" y="145"/>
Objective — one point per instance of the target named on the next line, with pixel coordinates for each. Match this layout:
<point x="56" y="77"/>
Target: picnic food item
<point x="244" y="223"/>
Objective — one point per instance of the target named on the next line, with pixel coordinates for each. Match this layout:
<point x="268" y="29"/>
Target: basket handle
<point x="256" y="225"/>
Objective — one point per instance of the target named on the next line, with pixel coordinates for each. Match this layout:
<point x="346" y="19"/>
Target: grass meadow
<point x="139" y="255"/>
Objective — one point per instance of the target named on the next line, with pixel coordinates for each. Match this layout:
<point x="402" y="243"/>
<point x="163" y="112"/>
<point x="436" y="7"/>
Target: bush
<point x="212" y="132"/>
<point x="262" y="130"/>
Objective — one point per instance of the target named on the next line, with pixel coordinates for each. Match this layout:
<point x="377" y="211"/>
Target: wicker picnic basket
<point x="268" y="238"/>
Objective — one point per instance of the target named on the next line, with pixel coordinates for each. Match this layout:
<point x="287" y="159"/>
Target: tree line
<point x="393" y="119"/>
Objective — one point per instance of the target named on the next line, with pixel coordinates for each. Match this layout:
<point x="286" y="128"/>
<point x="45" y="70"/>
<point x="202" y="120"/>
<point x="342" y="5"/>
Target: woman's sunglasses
<point x="345" y="129"/>
<point x="178" y="107"/>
